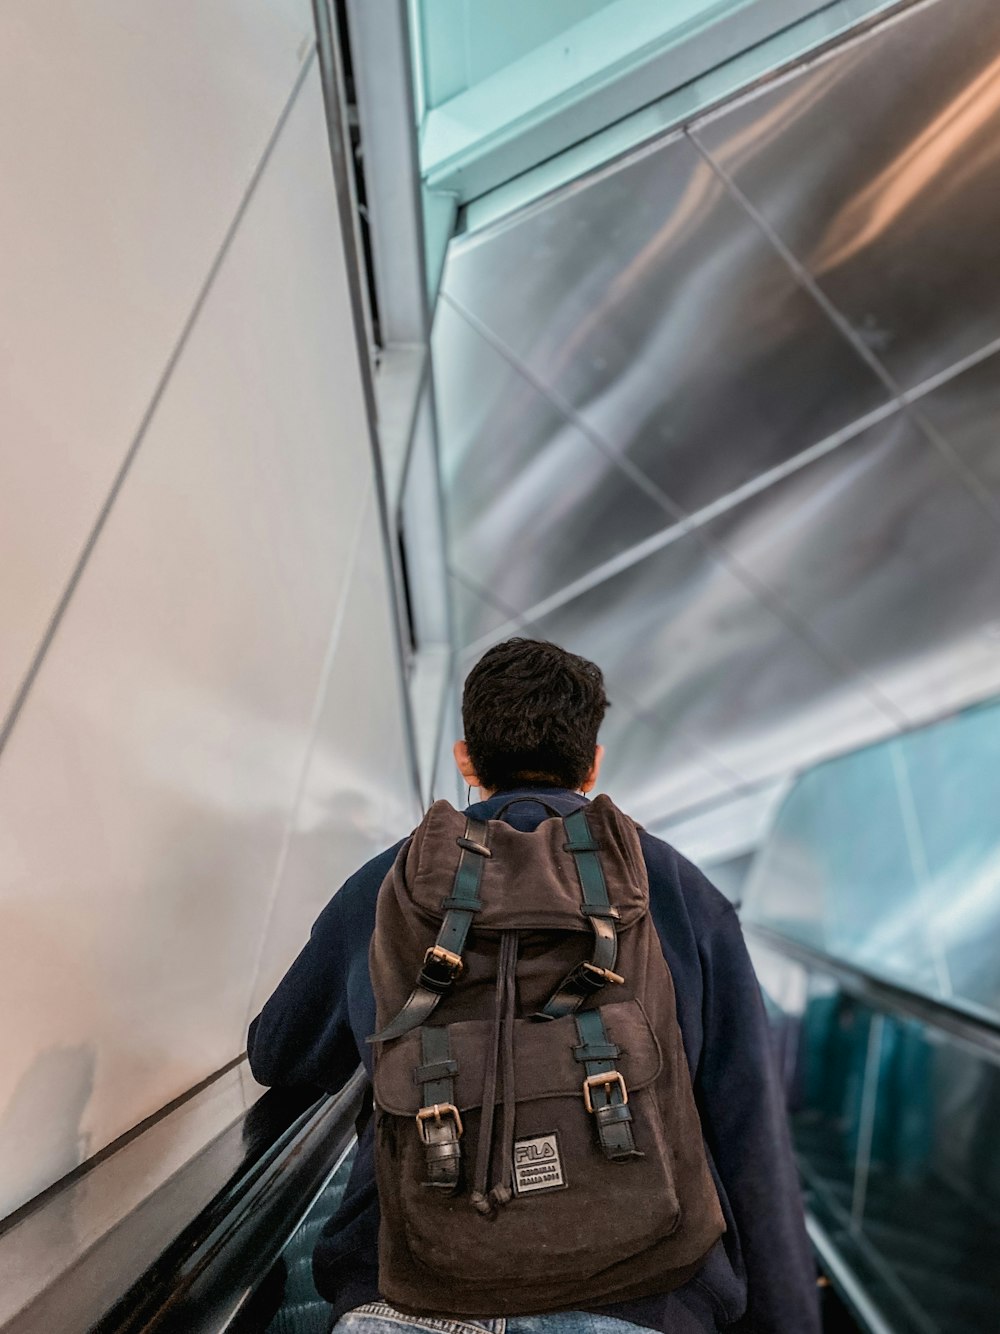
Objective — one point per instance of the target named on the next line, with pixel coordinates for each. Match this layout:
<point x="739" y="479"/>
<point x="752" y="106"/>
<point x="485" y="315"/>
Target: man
<point x="531" y="713"/>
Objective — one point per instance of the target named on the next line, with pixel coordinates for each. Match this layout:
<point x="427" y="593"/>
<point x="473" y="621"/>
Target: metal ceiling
<point x="725" y="416"/>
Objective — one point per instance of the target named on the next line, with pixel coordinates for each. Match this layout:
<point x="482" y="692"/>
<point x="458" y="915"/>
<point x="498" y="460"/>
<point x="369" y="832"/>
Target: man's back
<point x="759" y="1276"/>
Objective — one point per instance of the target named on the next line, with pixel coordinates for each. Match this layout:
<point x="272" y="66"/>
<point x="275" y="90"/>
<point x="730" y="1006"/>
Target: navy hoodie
<point x="760" y="1277"/>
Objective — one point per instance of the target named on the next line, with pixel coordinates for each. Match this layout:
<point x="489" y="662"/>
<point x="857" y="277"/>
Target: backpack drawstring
<point x="504" y="1011"/>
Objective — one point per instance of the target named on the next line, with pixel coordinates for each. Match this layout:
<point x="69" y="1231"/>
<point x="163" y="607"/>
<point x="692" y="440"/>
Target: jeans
<point x="380" y="1318"/>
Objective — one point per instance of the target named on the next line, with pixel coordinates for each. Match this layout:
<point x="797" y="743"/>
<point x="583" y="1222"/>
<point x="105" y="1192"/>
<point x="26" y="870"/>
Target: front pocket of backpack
<point x="575" y="1210"/>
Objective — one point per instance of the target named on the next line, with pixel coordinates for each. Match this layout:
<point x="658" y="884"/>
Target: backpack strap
<point x="438" y="1119"/>
<point x="604" y="1092"/>
<point x="443" y="961"/>
<point x="586" y="979"/>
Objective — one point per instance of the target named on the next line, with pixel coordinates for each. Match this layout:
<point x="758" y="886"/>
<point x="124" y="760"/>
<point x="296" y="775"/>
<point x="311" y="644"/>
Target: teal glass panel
<point x="953" y="772"/>
<point x="837" y="871"/>
<point x="890" y="860"/>
<point x="829" y="1100"/>
<point x="894" y="1125"/>
<point x="463" y="42"/>
<point x="931" y="1207"/>
<point x="507" y="84"/>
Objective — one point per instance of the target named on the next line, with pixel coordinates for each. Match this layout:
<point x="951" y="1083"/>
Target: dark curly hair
<point x="531" y="713"/>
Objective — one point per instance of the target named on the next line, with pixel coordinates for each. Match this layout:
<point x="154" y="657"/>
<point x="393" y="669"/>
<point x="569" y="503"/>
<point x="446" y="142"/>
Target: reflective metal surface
<point x="49" y="1241"/>
<point x="965" y="413"/>
<point x="880" y="550"/>
<point x="681" y="637"/>
<point x="728" y="829"/>
<point x="878" y="167"/>
<point x="186" y="759"/>
<point x="658" y="770"/>
<point x="111" y="123"/>
<point x="727" y="313"/>
<point x="475" y="616"/>
<point x="652" y="306"/>
<point x="531" y="501"/>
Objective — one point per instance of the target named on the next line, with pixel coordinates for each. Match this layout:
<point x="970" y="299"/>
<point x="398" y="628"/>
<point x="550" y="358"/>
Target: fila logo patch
<point x="537" y="1165"/>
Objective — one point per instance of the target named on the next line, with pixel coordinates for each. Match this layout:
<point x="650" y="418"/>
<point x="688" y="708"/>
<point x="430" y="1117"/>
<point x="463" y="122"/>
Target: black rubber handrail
<point x="261" y="1174"/>
<point x="203" y="1281"/>
<point x="978" y="1030"/>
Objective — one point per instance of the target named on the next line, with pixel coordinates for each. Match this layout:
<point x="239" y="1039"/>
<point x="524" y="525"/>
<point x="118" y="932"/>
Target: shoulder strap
<point x="443" y="961"/>
<point x="536" y="801"/>
<point x="586" y="979"/>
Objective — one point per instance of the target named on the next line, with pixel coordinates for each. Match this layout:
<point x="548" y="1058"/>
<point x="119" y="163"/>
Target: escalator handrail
<point x="228" y="1248"/>
<point x="975" y="1029"/>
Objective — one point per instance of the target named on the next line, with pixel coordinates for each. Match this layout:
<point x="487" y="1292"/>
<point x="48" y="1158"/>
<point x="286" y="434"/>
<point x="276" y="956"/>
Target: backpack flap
<point x="530" y="882"/>
<point x="580" y="873"/>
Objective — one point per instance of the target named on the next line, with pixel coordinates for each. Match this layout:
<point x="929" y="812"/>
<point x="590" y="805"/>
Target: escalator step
<point x="301" y="1318"/>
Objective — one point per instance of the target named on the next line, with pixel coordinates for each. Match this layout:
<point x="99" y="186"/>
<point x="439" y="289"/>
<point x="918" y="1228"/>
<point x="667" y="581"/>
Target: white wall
<point x="198" y="662"/>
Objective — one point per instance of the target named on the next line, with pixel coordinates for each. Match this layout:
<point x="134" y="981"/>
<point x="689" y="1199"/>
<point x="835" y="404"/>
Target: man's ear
<point x="591" y="780"/>
<point x="465" y="766"/>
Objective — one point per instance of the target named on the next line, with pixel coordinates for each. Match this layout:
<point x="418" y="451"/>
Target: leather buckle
<point x="470" y="845"/>
<point x="590" y="978"/>
<point x="436" y="1113"/>
<point x="605" y="1081"/>
<point x="604" y="975"/>
<point x="441" y="968"/>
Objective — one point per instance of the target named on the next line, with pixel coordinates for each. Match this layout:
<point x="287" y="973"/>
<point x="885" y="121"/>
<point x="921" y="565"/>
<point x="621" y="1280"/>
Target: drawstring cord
<point x="501" y="1193"/>
<point x="483" y="1199"/>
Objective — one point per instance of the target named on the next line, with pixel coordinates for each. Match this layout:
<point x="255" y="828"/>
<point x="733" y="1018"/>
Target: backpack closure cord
<point x="501" y="1049"/>
<point x="443" y="961"/>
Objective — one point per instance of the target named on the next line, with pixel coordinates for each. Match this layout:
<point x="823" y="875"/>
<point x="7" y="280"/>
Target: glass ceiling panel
<point x="505" y="84"/>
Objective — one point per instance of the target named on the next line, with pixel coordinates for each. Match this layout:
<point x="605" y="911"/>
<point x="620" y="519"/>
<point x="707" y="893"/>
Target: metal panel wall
<point x="103" y="256"/>
<point x="192" y="770"/>
<point x="742" y="383"/>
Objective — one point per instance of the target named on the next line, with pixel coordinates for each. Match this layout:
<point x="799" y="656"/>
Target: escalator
<point x="894" y="1102"/>
<point x="893" y="1096"/>
<point x="894" y="1099"/>
<point x="242" y="1264"/>
<point x="268" y="1178"/>
<point x="302" y="1310"/>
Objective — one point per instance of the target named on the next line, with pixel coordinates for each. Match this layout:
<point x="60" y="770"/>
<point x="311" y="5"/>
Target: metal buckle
<point x="605" y="974"/>
<point x="448" y="958"/>
<point x="441" y="968"/>
<point x="604" y="1081"/>
<point x="439" y="1110"/>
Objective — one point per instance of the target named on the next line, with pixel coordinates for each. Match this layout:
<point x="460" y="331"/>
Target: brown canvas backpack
<point x="537" y="1145"/>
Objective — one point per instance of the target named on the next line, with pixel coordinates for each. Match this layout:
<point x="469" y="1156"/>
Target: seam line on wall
<point x="694" y="524"/>
<point x="319" y="703"/>
<point x="83" y="559"/>
<point x="969" y="480"/>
